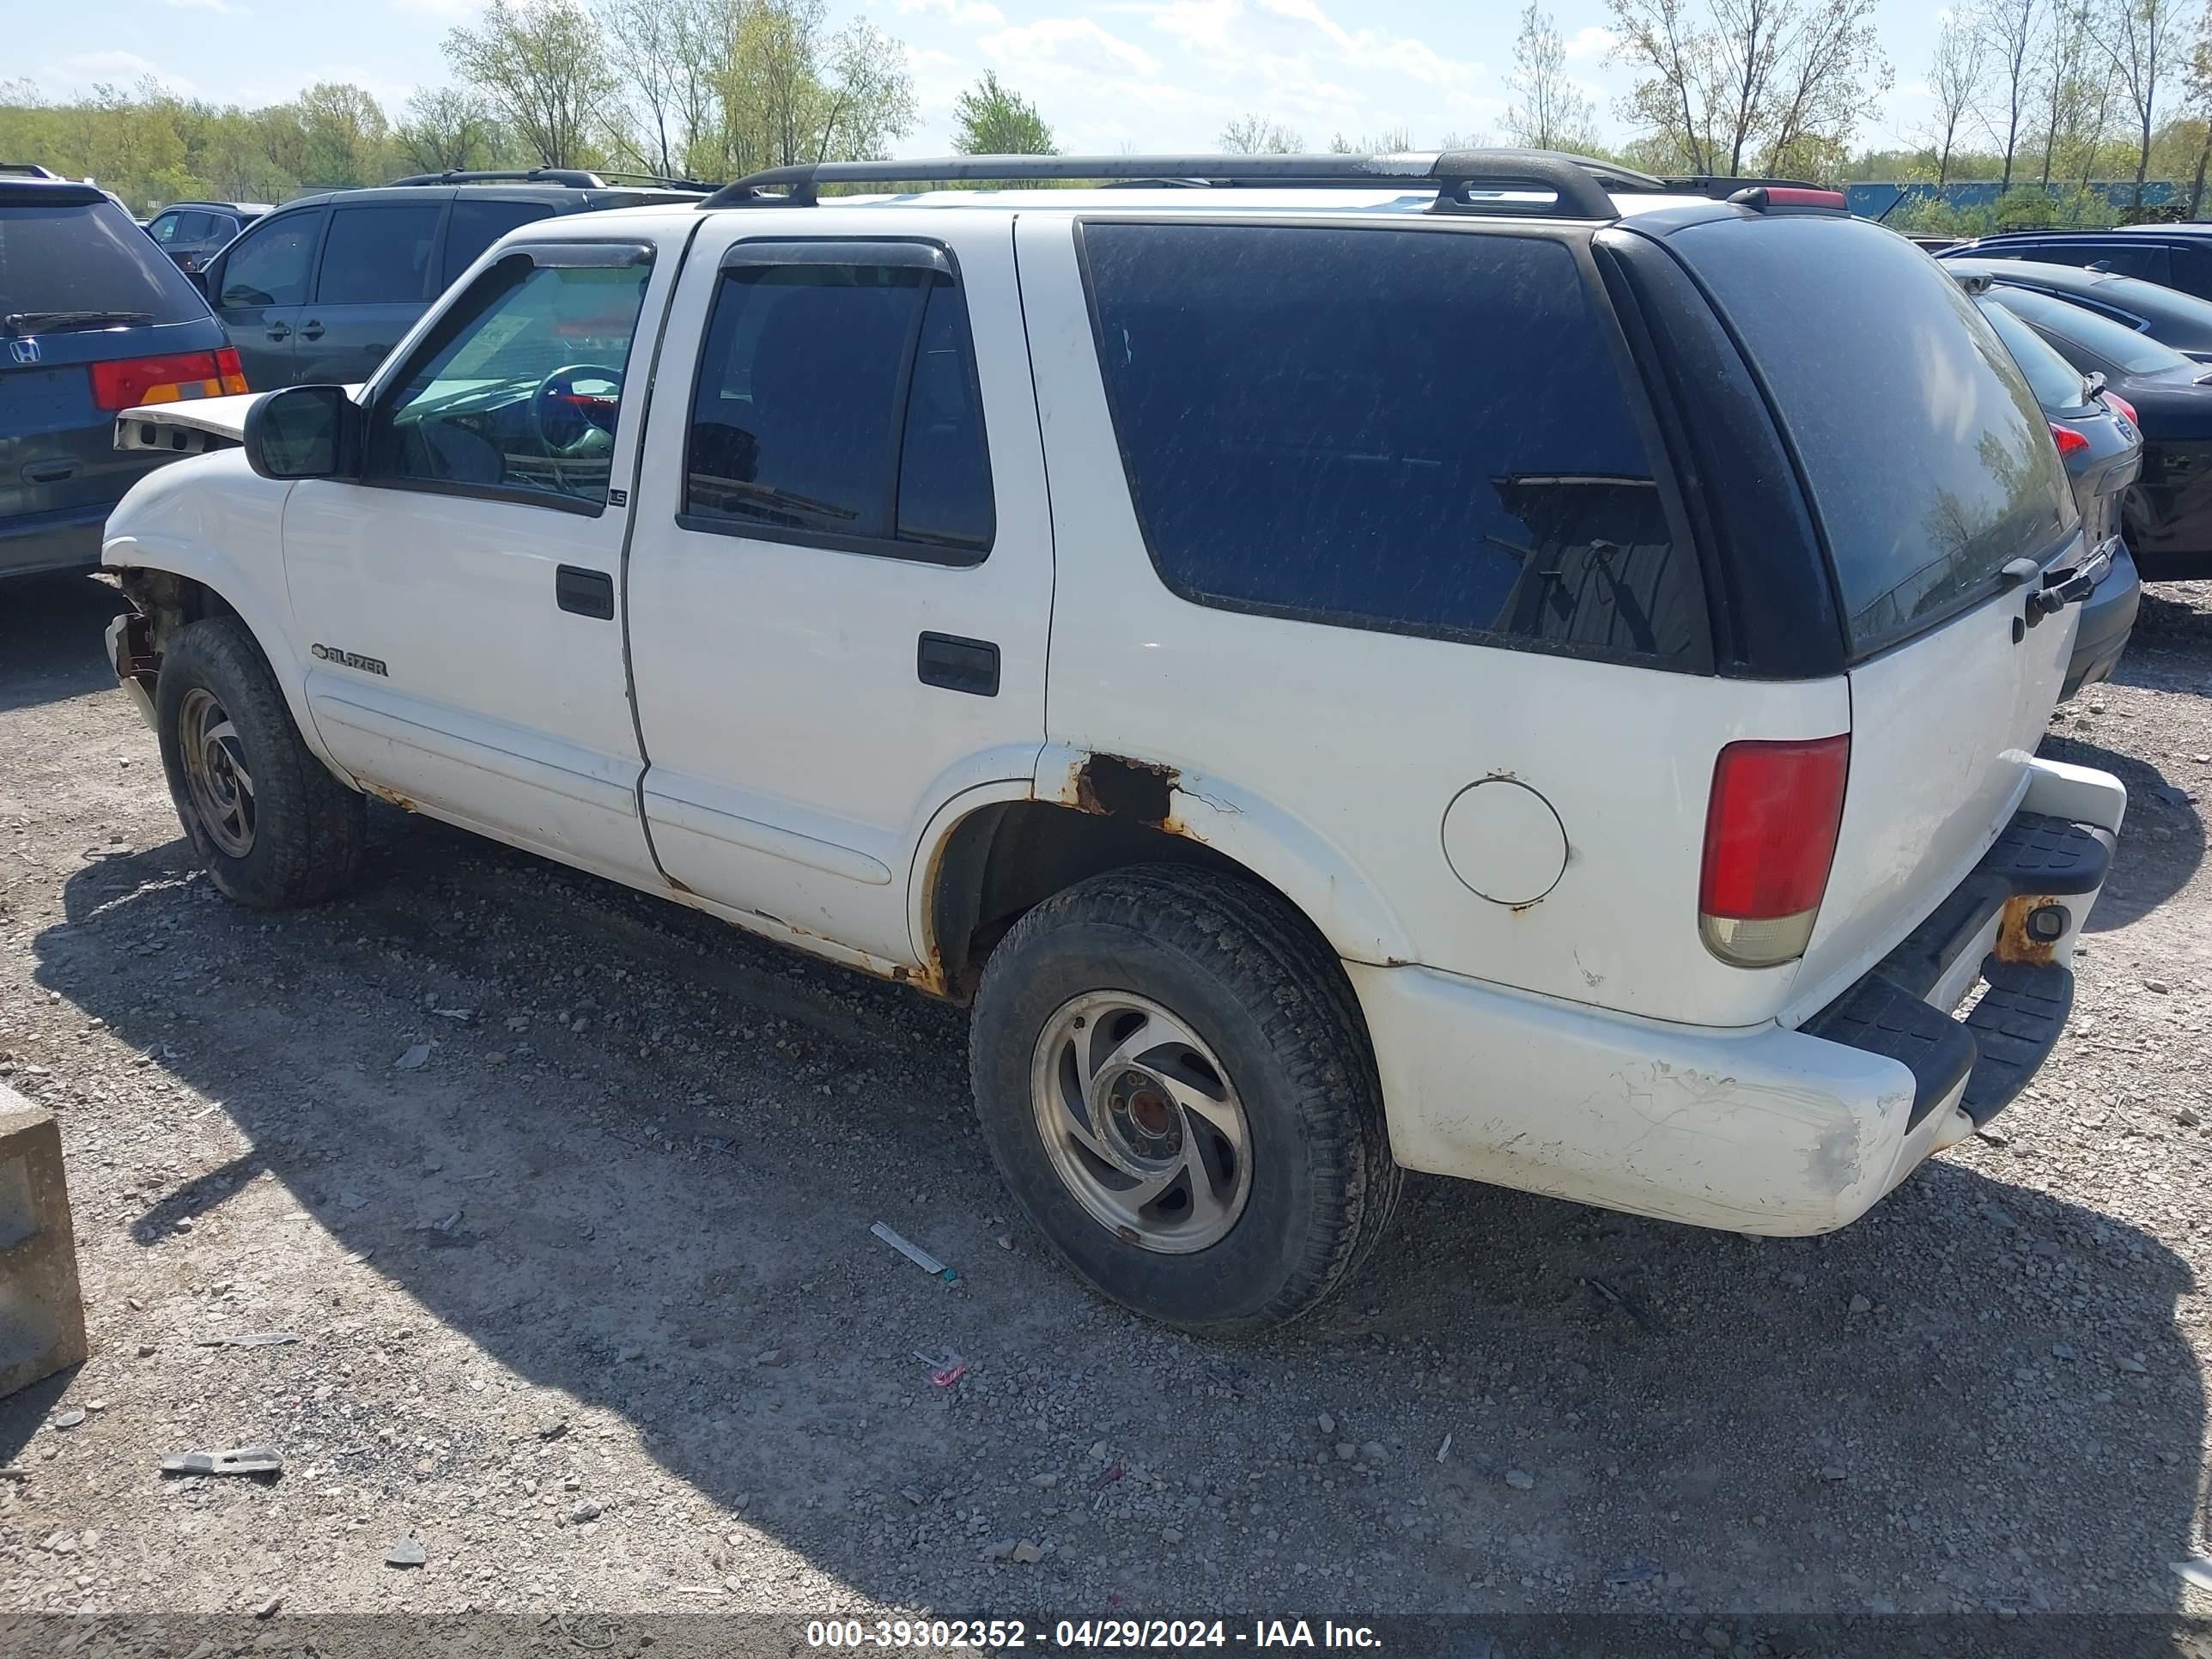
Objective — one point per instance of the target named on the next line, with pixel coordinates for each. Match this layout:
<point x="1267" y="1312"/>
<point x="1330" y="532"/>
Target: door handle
<point x="45" y="472"/>
<point x="312" y="331"/>
<point x="958" y="664"/>
<point x="587" y="592"/>
<point x="281" y="331"/>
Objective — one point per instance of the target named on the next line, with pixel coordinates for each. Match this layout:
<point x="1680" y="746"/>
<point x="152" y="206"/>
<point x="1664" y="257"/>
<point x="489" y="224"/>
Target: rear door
<point x="375" y="276"/>
<point x="65" y="251"/>
<point x="1929" y="467"/>
<point x="258" y="287"/>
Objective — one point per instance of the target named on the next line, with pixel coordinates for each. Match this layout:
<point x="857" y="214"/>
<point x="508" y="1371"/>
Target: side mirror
<point x="304" y="431"/>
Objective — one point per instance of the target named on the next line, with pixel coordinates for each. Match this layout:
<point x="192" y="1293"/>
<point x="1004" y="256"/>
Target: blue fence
<point x="1871" y="201"/>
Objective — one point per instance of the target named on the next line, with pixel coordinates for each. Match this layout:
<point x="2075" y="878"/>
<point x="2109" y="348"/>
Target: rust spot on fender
<point x="1116" y="786"/>
<point x="393" y="795"/>
<point x="2014" y="943"/>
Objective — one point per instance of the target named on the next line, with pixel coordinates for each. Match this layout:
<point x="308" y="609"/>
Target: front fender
<point x="212" y="519"/>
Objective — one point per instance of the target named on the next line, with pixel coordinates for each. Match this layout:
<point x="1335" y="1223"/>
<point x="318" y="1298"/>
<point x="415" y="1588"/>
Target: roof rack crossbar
<point x="1578" y="185"/>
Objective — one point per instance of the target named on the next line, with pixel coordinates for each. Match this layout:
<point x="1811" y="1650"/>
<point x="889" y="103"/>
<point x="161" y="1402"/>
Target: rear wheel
<point x="1174" y="1080"/>
<point x="270" y="824"/>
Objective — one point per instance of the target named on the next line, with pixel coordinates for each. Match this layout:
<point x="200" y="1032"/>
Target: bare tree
<point x="2139" y="37"/>
<point x="543" y="64"/>
<point x="1255" y="135"/>
<point x="2071" y="69"/>
<point x="1955" y="78"/>
<point x="1783" y="83"/>
<point x="1548" y="111"/>
<point x="2008" y="32"/>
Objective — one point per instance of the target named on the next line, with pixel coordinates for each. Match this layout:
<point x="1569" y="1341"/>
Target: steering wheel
<point x="572" y="412"/>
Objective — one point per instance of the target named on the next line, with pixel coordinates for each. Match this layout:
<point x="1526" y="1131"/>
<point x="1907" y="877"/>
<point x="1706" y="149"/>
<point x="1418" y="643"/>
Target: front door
<point x="841" y="591"/>
<point x="460" y="603"/>
<point x="258" y="287"/>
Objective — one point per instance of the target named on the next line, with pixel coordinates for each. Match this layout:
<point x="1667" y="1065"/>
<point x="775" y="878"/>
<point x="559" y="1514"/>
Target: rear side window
<point x="474" y="226"/>
<point x="837" y="405"/>
<point x="1419" y="432"/>
<point x="89" y="256"/>
<point x="2130" y="259"/>
<point x="268" y="266"/>
<point x="378" y="255"/>
<point x="2100" y="336"/>
<point x="1929" y="463"/>
<point x="2056" y="382"/>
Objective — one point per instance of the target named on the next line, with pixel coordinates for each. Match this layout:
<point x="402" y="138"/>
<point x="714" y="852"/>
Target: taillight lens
<point x="167" y="379"/>
<point x="1769" y="838"/>
<point x="2123" y="406"/>
<point x="2069" y="440"/>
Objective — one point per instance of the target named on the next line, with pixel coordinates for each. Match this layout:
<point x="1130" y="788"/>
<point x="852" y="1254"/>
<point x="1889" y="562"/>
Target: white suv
<point x="1475" y="664"/>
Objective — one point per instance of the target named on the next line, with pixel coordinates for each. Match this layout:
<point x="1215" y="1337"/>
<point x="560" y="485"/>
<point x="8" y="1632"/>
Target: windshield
<point x="2122" y="347"/>
<point x="2056" y="383"/>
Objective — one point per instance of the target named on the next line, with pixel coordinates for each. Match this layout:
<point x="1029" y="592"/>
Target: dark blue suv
<point x="94" y="319"/>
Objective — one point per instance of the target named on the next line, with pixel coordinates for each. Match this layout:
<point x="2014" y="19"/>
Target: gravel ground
<point x="566" y="1193"/>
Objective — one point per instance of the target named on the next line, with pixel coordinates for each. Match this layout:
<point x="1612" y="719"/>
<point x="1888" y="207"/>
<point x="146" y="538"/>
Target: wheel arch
<point x="996" y="851"/>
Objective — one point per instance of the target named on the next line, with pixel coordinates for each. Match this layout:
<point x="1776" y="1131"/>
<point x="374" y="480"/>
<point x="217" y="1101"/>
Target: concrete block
<point x="41" y="1308"/>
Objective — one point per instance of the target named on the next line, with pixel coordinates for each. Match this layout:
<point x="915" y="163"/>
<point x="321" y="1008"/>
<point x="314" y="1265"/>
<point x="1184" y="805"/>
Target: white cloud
<point x="82" y="71"/>
<point x="1056" y="41"/>
<point x="1591" y="40"/>
<point x="963" y="14"/>
<point x="204" y="5"/>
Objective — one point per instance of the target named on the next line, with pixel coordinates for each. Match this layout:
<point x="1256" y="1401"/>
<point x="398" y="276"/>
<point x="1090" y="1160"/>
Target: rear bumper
<point x="2108" y="617"/>
<point x="65" y="540"/>
<point x="1760" y="1130"/>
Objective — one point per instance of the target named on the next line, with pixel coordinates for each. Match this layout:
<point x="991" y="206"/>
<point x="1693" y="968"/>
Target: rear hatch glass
<point x="1929" y="465"/>
<point x="78" y="256"/>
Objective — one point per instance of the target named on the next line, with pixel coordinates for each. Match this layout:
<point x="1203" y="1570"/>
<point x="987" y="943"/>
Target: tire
<point x="291" y="833"/>
<point x="1159" y="954"/>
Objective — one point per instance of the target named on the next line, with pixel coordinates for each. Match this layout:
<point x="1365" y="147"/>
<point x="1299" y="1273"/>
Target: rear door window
<point x="86" y="256"/>
<point x="1415" y="431"/>
<point x="475" y="225"/>
<point x="2128" y="259"/>
<point x="378" y="255"/>
<point x="1929" y="461"/>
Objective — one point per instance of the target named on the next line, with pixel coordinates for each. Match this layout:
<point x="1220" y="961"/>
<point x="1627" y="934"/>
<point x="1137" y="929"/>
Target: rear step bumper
<point x="2008" y="917"/>
<point x="1767" y="1129"/>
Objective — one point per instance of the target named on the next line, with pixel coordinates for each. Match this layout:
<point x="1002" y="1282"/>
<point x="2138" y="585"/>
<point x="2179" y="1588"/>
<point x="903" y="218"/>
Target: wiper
<point x="46" y="322"/>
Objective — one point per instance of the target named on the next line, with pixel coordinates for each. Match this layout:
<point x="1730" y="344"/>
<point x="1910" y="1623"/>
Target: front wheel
<point x="1174" y="1080"/>
<point x="272" y="825"/>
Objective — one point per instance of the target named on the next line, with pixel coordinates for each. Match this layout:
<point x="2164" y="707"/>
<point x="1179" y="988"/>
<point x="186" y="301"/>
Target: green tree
<point x="992" y="119"/>
<point x="446" y="129"/>
<point x="1548" y="111"/>
<point x="543" y="63"/>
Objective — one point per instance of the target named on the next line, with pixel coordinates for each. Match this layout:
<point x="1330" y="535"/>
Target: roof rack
<point x="1578" y="184"/>
<point x="576" y="178"/>
<point x="28" y="170"/>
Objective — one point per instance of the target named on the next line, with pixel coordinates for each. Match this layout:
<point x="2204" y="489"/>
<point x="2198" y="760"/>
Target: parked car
<point x="192" y="232"/>
<point x="2170" y="256"/>
<point x="2174" y="319"/>
<point x="322" y="288"/>
<point x="92" y="319"/>
<point x="2102" y="449"/>
<point x="1596" y="756"/>
<point x="2167" y="514"/>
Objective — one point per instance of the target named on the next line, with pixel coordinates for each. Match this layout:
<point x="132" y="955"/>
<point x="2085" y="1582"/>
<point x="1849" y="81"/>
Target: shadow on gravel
<point x="52" y="630"/>
<point x="2161" y="840"/>
<point x="1977" y="1397"/>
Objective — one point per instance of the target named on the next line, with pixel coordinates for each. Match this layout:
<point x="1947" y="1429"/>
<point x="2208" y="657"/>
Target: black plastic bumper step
<point x="1882" y="1017"/>
<point x="2014" y="1027"/>
<point x="2038" y="853"/>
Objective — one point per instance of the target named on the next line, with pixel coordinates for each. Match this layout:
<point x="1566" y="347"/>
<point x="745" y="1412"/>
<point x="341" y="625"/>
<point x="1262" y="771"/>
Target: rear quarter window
<point x="1414" y="431"/>
<point x="1929" y="461"/>
<point x="89" y="256"/>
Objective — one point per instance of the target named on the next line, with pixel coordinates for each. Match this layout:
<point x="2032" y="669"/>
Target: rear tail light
<point x="1769" y="838"/>
<point x="2123" y="406"/>
<point x="167" y="379"/>
<point x="2069" y="440"/>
